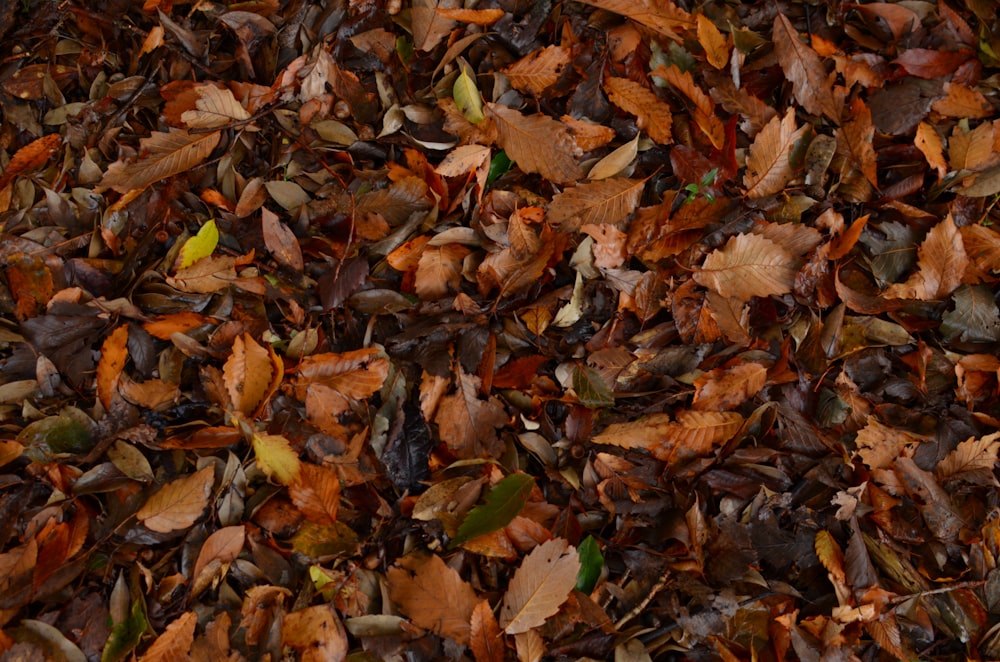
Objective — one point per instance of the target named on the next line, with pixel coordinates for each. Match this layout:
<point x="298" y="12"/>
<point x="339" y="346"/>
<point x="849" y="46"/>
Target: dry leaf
<point x="114" y="354"/>
<point x="161" y="155"/>
<point x="748" y="266"/>
<point x="930" y="145"/>
<point x="439" y="271"/>
<point x="316" y="633"/>
<point x="486" y="640"/>
<point x="811" y="85"/>
<point x="652" y="113"/>
<point x="281" y="241"/>
<point x="941" y="262"/>
<point x="316" y="492"/>
<point x="854" y="139"/>
<point x="662" y="16"/>
<point x="537" y="143"/>
<point x="605" y="201"/>
<point x="216" y="107"/>
<point x="217" y="552"/>
<point x="276" y="458"/>
<point x="704" y="107"/>
<point x="432" y="595"/>
<point x="175" y="641"/>
<point x="429" y="25"/>
<point x="538" y="70"/>
<point x="972" y="455"/>
<point x="352" y="375"/>
<point x="540" y="586"/>
<point x="768" y="165"/>
<point x="713" y="41"/>
<point x="33" y="155"/>
<point x="694" y="434"/>
<point x="179" y="503"/>
<point x="247" y="374"/>
<point x="468" y="424"/>
<point x="727" y="388"/>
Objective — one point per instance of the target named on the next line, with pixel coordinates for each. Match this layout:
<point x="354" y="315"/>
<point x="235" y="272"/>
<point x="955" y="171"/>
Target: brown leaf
<point x="281" y="241"/>
<point x="217" y="552"/>
<point x="353" y="375"/>
<point x="537" y="143"/>
<point x="216" y="107"/>
<point x="316" y="633"/>
<point x="175" y="641"/>
<point x="33" y="155"/>
<point x="179" y="503"/>
<point x="114" y="354"/>
<point x="704" y="107"/>
<point x="316" y="492"/>
<point x="722" y="389"/>
<point x="540" y="586"/>
<point x="538" y="70"/>
<point x="768" y="165"/>
<point x="429" y="25"/>
<point x="652" y="113"/>
<point x="439" y="271"/>
<point x="693" y="434"/>
<point x="162" y="155"/>
<point x="474" y="16"/>
<point x="972" y="455"/>
<point x="662" y="16"/>
<point x="930" y="145"/>
<point x="605" y="201"/>
<point x="941" y="262"/>
<point x="931" y="62"/>
<point x="878" y="445"/>
<point x="467" y="424"/>
<point x="248" y="374"/>
<point x="854" y="139"/>
<point x="811" y="85"/>
<point x="432" y="595"/>
<point x="486" y="639"/>
<point x="207" y="275"/>
<point x="747" y="266"/>
<point x="714" y="42"/>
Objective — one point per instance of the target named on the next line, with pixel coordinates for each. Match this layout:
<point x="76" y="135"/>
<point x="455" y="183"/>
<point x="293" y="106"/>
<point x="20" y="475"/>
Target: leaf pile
<point x="504" y="330"/>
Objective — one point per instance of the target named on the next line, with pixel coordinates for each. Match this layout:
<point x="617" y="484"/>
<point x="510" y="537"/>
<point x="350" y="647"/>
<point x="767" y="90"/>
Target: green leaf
<point x="591" y="564"/>
<point x="125" y="636"/>
<point x="503" y="503"/>
<point x="467" y="98"/>
<point x="590" y="388"/>
<point x="201" y="245"/>
<point x="500" y="165"/>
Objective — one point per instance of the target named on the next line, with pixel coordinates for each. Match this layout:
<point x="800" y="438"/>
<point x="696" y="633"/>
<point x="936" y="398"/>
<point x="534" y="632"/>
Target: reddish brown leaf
<point x="940" y="265"/>
<point x="163" y="155"/>
<point x="33" y="155"/>
<point x="316" y="492"/>
<point x="811" y="84"/>
<point x="432" y="595"/>
<point x="768" y="165"/>
<point x="536" y="143"/>
<point x="486" y="639"/>
<point x="316" y="633"/>
<point x="652" y="113"/>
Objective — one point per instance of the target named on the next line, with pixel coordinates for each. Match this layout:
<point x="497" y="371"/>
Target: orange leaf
<point x="963" y="102"/>
<point x="114" y="353"/>
<point x="33" y="155"/>
<point x="941" y="262"/>
<point x="930" y="145"/>
<point x="768" y="165"/>
<point x="164" y="326"/>
<point x="693" y="434"/>
<point x="486" y="642"/>
<point x="605" y="201"/>
<point x="537" y="143"/>
<point x="652" y="113"/>
<point x="432" y="595"/>
<point x="747" y="266"/>
<point x="704" y="107"/>
<point x="178" y="504"/>
<point x="439" y="271"/>
<point x="247" y="374"/>
<point x="662" y="16"/>
<point x="474" y="16"/>
<point x="162" y="155"/>
<point x="727" y="388"/>
<point x="855" y="139"/>
<point x="316" y="492"/>
<point x="317" y="633"/>
<point x="217" y="552"/>
<point x="811" y="85"/>
<point x="175" y="641"/>
<point x="540" y="586"/>
<point x="355" y="375"/>
<point x="428" y="25"/>
<point x="713" y="41"/>
<point x="467" y="424"/>
<point x="538" y="70"/>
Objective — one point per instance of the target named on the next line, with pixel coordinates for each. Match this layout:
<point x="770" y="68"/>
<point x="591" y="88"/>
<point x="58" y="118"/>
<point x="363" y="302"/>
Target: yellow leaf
<point x="467" y="97"/>
<point x="201" y="245"/>
<point x="276" y="458"/>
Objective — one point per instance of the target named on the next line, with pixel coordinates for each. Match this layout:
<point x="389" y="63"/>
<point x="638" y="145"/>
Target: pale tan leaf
<point x="530" y="646"/>
<point x="540" y="586"/>
<point x="316" y="492"/>
<point x="879" y="445"/>
<point x="463" y="160"/>
<point x="432" y="595"/>
<point x="537" y="143"/>
<point x="930" y="145"/>
<point x="982" y="245"/>
<point x="768" y="166"/>
<point x="748" y="266"/>
<point x="247" y="374"/>
<point x="276" y="458"/>
<point x="538" y="70"/>
<point x="972" y="455"/>
<point x="179" y="503"/>
<point x="468" y="424"/>
<point x="217" y="552"/>
<point x="854" y="139"/>
<point x="216" y="107"/>
<point x="704" y="106"/>
<point x="162" y="155"/>
<point x="727" y="388"/>
<point x="662" y="16"/>
<point x="713" y="41"/>
<point x="439" y="271"/>
<point x="811" y="85"/>
<point x="356" y="374"/>
<point x="316" y="633"/>
<point x="429" y="26"/>
<point x="486" y="639"/>
<point x="605" y="201"/>
<point x="175" y="641"/>
<point x="941" y="262"/>
<point x="652" y="114"/>
<point x="615" y="162"/>
<point x="796" y="238"/>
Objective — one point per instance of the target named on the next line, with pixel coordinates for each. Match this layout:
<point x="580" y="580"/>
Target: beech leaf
<point x="175" y="641"/>
<point x="768" y="164"/>
<point x="247" y="374"/>
<point x="537" y="143"/>
<point x="606" y="201"/>
<point x="179" y="503"/>
<point x="811" y="84"/>
<point x="467" y="97"/>
<point x="216" y="107"/>
<point x="276" y="458"/>
<point x="162" y="155"/>
<point x="662" y="16"/>
<point x="941" y="262"/>
<point x="114" y="354"/>
<point x="432" y="595"/>
<point x="652" y="114"/>
<point x="485" y="635"/>
<point x="748" y="266"/>
<point x="539" y="69"/>
<point x="317" y="633"/>
<point x="467" y="423"/>
<point x="201" y="245"/>
<point x="540" y="586"/>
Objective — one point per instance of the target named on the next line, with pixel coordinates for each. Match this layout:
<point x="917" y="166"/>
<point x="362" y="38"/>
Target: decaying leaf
<point x="803" y="67"/>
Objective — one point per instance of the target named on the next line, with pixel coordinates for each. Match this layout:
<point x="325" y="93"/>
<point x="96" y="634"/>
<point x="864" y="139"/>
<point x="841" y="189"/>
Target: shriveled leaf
<point x="768" y="164"/>
<point x="748" y="266"/>
<point x="607" y="201"/>
<point x="201" y="245"/>
<point x="591" y="389"/>
<point x="652" y="114"/>
<point x="503" y="502"/>
<point x="31" y="156"/>
<point x="941" y="262"/>
<point x="537" y="143"/>
<point x="539" y="69"/>
<point x="540" y="586"/>
<point x="162" y="155"/>
<point x="114" y="354"/>
<point x="175" y="641"/>
<point x="353" y="375"/>
<point x="432" y="595"/>
<point x="276" y="458"/>
<point x="975" y="317"/>
<point x="179" y="503"/>
<point x="811" y="84"/>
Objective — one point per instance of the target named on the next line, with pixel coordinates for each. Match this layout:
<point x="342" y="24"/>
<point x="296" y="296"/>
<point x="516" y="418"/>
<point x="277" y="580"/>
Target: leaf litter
<point x="601" y="330"/>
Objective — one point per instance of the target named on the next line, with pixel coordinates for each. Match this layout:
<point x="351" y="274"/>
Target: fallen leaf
<point x="432" y="595"/>
<point x="179" y="503"/>
<point x="539" y="69"/>
<point x="537" y="143"/>
<point x="317" y="633"/>
<point x="162" y="155"/>
<point x="748" y="266"/>
<point x="485" y="635"/>
<point x="606" y="201"/>
<point x="662" y="16"/>
<point x="114" y="354"/>
<point x="941" y="262"/>
<point x="316" y="493"/>
<point x="768" y="166"/>
<point x="811" y="85"/>
<point x="276" y="458"/>
<point x="217" y="552"/>
<point x="175" y="641"/>
<point x="540" y="586"/>
<point x="247" y="374"/>
<point x="652" y="114"/>
<point x="467" y="424"/>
